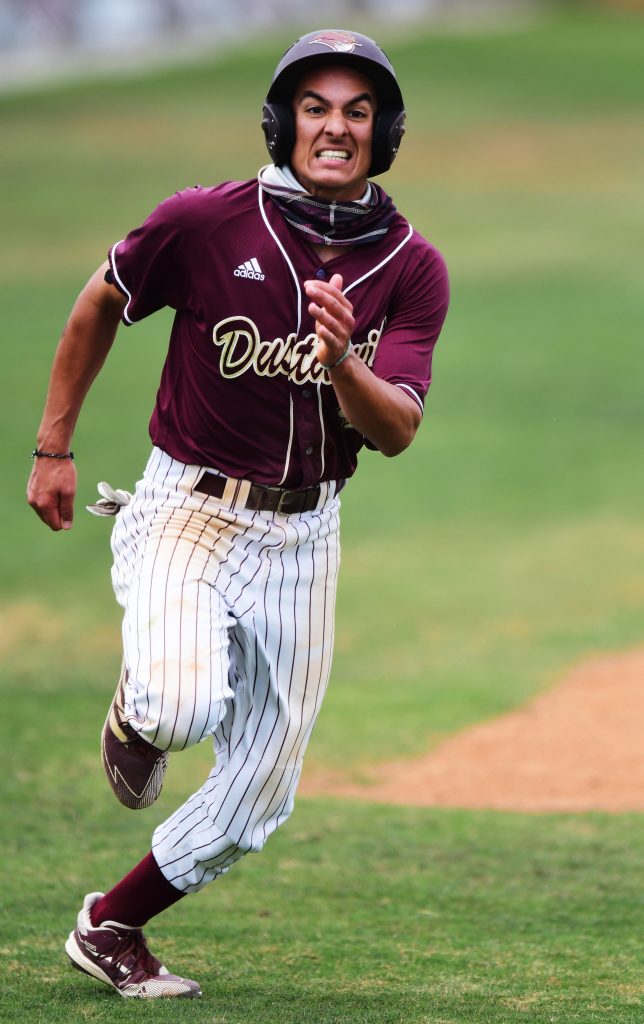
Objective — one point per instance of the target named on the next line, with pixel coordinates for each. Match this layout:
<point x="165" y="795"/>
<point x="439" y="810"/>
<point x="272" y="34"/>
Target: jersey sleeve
<point x="419" y="308"/>
<point x="151" y="266"/>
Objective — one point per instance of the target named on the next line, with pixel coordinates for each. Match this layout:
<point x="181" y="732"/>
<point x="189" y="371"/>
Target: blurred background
<point x="43" y="38"/>
<point x="99" y="26"/>
<point x="508" y="541"/>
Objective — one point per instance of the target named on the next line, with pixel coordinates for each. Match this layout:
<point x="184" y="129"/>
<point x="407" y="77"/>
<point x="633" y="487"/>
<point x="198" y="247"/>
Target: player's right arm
<point x="86" y="340"/>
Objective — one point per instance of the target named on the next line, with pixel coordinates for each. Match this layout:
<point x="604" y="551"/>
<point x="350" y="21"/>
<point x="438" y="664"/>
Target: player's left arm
<point x="383" y="413"/>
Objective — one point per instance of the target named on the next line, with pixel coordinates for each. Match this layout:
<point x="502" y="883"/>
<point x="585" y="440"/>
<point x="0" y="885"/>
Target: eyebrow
<point x="310" y="94"/>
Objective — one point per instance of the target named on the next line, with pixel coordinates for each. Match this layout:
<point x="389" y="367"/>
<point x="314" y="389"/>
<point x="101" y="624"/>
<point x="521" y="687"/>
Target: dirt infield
<point x="577" y="747"/>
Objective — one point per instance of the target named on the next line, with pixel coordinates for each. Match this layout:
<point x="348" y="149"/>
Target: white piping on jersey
<point x="323" y="430"/>
<point x="382" y="262"/>
<point x="299" y="313"/>
<point x="290" y="439"/>
<point x="286" y="257"/>
<point x="120" y="283"/>
<point x="413" y="394"/>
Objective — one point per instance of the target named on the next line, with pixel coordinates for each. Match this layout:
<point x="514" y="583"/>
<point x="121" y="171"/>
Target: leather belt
<point x="265" y="499"/>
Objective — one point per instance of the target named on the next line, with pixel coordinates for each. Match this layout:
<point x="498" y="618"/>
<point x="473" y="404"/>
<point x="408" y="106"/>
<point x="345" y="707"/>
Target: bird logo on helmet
<point x="341" y="42"/>
<point x="340" y="47"/>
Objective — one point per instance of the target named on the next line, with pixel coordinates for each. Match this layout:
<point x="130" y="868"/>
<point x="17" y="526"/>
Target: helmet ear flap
<point x="388" y="131"/>
<point x="278" y="126"/>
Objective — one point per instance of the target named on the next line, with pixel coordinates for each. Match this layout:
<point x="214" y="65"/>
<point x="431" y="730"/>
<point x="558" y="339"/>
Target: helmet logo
<point x="341" y="42"/>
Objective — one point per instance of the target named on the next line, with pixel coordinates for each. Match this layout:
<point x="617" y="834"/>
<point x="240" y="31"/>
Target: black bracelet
<point x="37" y="454"/>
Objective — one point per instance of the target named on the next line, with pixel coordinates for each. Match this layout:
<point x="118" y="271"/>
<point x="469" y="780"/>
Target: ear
<point x="278" y="125"/>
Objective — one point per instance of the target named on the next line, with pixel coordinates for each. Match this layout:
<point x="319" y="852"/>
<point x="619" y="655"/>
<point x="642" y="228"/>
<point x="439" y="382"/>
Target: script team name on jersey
<point x="243" y="350"/>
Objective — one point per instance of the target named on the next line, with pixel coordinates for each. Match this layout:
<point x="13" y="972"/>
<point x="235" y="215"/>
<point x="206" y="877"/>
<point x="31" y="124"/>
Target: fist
<point x="333" y="315"/>
<point x="51" y="490"/>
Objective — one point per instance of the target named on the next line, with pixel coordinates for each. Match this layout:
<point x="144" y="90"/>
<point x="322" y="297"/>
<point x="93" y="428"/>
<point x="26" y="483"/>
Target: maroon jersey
<point x="241" y="389"/>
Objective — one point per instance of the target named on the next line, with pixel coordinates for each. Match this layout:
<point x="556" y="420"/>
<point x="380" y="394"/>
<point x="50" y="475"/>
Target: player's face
<point x="334" y="110"/>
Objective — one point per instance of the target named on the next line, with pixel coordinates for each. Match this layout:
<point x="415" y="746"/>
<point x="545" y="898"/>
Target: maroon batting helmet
<point x="335" y="46"/>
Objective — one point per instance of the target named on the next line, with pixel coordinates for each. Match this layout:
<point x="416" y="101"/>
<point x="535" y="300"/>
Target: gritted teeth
<point x="333" y="154"/>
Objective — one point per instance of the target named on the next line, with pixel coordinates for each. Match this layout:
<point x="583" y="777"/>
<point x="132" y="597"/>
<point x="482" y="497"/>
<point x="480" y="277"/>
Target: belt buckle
<point x="283" y="498"/>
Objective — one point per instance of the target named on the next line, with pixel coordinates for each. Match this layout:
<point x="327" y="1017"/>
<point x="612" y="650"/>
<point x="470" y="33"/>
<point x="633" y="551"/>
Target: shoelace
<point x="133" y="945"/>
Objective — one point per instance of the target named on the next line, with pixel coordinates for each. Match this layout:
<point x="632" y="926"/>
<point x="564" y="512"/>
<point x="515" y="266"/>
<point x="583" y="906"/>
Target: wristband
<point x="344" y="355"/>
<point x="37" y="454"/>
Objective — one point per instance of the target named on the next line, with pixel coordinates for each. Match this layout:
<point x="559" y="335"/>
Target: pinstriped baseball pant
<point x="227" y="631"/>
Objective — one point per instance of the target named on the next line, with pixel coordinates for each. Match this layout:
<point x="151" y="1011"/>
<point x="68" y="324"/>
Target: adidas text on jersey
<point x="250" y="268"/>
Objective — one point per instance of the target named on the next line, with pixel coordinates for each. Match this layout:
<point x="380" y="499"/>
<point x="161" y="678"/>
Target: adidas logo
<point x="250" y="268"/>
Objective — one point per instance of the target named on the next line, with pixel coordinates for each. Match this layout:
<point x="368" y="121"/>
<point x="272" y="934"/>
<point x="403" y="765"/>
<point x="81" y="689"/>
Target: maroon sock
<point x="142" y="894"/>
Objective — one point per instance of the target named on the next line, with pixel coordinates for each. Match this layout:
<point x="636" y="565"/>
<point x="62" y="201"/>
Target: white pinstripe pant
<point x="228" y="630"/>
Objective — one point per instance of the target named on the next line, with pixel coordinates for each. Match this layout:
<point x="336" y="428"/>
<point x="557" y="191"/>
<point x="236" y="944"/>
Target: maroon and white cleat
<point x="135" y="769"/>
<point x="118" y="956"/>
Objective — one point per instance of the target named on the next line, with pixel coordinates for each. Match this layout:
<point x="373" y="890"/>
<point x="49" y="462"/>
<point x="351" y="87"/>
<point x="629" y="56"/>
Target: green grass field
<point x="503" y="546"/>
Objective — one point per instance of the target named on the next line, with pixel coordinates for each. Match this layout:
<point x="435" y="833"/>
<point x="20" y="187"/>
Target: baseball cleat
<point x="117" y="955"/>
<point x="134" y="768"/>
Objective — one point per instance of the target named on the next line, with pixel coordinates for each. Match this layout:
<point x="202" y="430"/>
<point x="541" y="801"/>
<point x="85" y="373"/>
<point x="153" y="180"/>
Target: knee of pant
<point x="179" y="727"/>
<point x="162" y="735"/>
<point x="173" y="735"/>
<point x="261" y="818"/>
<point x="177" y="713"/>
<point x="251" y="840"/>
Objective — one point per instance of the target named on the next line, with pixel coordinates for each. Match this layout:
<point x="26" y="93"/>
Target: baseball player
<point x="307" y="310"/>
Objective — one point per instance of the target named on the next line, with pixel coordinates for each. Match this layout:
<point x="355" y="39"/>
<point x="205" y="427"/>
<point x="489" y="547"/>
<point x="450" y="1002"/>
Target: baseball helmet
<point x="335" y="46"/>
